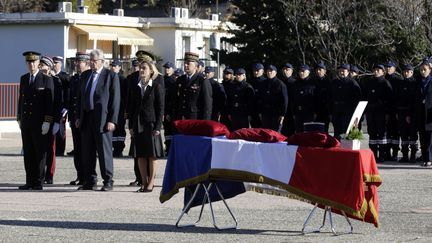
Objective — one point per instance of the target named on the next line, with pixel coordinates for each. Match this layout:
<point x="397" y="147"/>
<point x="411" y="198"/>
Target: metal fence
<point x="8" y="100"/>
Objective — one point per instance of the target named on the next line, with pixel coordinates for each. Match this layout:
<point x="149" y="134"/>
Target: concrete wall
<point x="16" y="39"/>
<point x="164" y="44"/>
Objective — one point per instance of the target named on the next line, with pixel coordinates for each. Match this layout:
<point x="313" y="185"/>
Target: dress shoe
<point x="25" y="187"/>
<point x="87" y="187"/>
<point x="73" y="183"/>
<point x="37" y="188"/>
<point x="135" y="183"/>
<point x="107" y="187"/>
<point x="48" y="181"/>
<point x="71" y="153"/>
<point x="141" y="190"/>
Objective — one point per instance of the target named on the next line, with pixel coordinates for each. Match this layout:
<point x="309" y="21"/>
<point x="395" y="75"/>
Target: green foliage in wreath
<point x="354" y="133"/>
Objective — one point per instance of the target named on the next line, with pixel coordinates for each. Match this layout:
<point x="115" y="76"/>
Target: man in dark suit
<point x="34" y="116"/>
<point x="119" y="135"/>
<point x="193" y="99"/>
<point x="97" y="115"/>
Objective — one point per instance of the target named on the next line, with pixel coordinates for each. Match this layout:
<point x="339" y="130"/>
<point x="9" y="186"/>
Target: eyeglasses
<point x="95" y="60"/>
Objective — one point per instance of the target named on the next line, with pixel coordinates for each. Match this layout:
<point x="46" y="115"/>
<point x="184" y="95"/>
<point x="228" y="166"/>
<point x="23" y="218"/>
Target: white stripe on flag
<point x="272" y="160"/>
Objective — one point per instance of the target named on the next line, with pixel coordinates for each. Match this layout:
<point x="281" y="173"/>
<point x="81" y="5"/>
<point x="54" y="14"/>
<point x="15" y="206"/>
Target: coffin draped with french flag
<point x="343" y="179"/>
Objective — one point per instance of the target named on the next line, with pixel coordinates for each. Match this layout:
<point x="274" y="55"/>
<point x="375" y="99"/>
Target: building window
<point x="186" y="44"/>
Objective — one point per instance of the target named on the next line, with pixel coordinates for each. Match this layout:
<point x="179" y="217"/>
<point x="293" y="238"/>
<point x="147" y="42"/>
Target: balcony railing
<point x="8" y="100"/>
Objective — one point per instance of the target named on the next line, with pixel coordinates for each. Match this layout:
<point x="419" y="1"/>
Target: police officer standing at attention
<point x="46" y="66"/>
<point x="169" y="81"/>
<point x="392" y="124"/>
<point x="272" y="100"/>
<point x="64" y="78"/>
<point x="425" y="81"/>
<point x="304" y="99"/>
<point x="193" y="93"/>
<point x="378" y="92"/>
<point x="34" y="116"/>
<point x="288" y="127"/>
<point x="219" y="96"/>
<point x="240" y="101"/>
<point x="227" y="81"/>
<point x="407" y="102"/>
<point x="81" y="65"/>
<point x="258" y="78"/>
<point x="344" y="95"/>
<point x="322" y="82"/>
<point x="119" y="134"/>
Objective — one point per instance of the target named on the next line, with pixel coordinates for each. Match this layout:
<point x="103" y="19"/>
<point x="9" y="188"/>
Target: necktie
<point x="31" y="79"/>
<point x="88" y="92"/>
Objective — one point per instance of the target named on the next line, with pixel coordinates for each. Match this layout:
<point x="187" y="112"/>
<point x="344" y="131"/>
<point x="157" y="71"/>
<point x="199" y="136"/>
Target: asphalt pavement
<point x="60" y="213"/>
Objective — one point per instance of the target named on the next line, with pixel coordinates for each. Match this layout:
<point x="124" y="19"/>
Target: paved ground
<point x="62" y="214"/>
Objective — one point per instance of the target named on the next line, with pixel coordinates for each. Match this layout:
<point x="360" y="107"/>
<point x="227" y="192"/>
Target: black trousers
<point x="340" y="123"/>
<point x="76" y="139"/>
<point x="60" y="139"/>
<point x="50" y="158"/>
<point x="92" y="141"/>
<point x="271" y="122"/>
<point x="239" y="121"/>
<point x="300" y="119"/>
<point x="35" y="146"/>
<point x="288" y="126"/>
<point x="119" y="137"/>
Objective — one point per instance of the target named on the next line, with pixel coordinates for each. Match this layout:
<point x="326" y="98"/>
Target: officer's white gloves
<point x="45" y="127"/>
<point x="56" y="128"/>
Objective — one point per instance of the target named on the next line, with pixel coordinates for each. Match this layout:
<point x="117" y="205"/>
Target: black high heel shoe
<point x="142" y="189"/>
<point x="148" y="190"/>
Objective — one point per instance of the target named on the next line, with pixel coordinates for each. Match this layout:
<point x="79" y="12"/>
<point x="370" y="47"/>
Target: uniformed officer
<point x="322" y="82"/>
<point x="240" y="101"/>
<point x="81" y="64"/>
<point x="304" y="98"/>
<point x="135" y="65"/>
<point x="201" y="68"/>
<point x="46" y="66"/>
<point x="219" y="96"/>
<point x="355" y="74"/>
<point x="177" y="73"/>
<point x="119" y="134"/>
<point x="272" y="100"/>
<point x="193" y="93"/>
<point x="392" y="131"/>
<point x="288" y="127"/>
<point x="424" y="81"/>
<point x="258" y="78"/>
<point x="169" y="80"/>
<point x="64" y="78"/>
<point x="344" y="95"/>
<point x="407" y="102"/>
<point x="227" y="80"/>
<point x="378" y="93"/>
<point x="34" y="116"/>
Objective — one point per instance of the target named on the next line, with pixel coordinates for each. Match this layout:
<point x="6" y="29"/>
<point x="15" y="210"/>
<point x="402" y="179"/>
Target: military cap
<point x="178" y="72"/>
<point x="344" y="66"/>
<point x="228" y="70"/>
<point x="304" y="67"/>
<point x="390" y="64"/>
<point x="57" y="59"/>
<point x="257" y="66"/>
<point x="379" y="66"/>
<point x="209" y="69"/>
<point x="271" y="67"/>
<point x="168" y="65"/>
<point x="408" y="67"/>
<point x="201" y="63"/>
<point x="142" y="55"/>
<point x="288" y="65"/>
<point x="240" y="71"/>
<point x="321" y="65"/>
<point x="191" y="57"/>
<point x="31" y="56"/>
<point x="116" y="62"/>
<point x="82" y="56"/>
<point x="135" y="62"/>
<point x="354" y="68"/>
<point x="426" y="59"/>
<point x="47" y="61"/>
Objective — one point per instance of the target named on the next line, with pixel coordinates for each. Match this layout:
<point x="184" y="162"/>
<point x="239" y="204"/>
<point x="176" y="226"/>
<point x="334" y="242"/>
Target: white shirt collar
<point x="150" y="83"/>
<point x="36" y="73"/>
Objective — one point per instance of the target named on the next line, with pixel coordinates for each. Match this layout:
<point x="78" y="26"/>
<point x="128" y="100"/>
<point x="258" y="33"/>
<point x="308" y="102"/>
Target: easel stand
<point x="205" y="199"/>
<point x="326" y="209"/>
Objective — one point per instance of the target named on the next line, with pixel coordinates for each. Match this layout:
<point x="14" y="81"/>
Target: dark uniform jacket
<point x="219" y="97"/>
<point x="169" y="82"/>
<point x="378" y="92"/>
<point x="304" y="97"/>
<point x="240" y="99"/>
<point x="395" y="80"/>
<point x="344" y="95"/>
<point x="193" y="97"/>
<point x="272" y="97"/>
<point x="35" y="102"/>
<point x="408" y="98"/>
<point x="148" y="107"/>
<point x="106" y="98"/>
<point x="322" y="95"/>
<point x="65" y="86"/>
<point x="74" y="92"/>
<point x="58" y="99"/>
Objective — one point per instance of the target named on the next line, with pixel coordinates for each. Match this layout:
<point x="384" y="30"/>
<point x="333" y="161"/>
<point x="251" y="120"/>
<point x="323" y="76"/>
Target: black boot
<point x="383" y="153"/>
<point x="374" y="149"/>
<point x="395" y="150"/>
<point x="404" y="158"/>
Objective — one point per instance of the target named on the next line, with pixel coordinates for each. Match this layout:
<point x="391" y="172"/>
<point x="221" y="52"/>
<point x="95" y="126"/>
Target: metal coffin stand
<point x="205" y="199"/>
<point x="326" y="209"/>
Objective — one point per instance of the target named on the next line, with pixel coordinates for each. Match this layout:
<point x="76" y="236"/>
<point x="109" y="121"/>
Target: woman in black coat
<point x="146" y="111"/>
